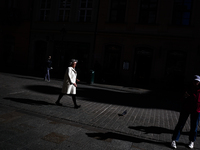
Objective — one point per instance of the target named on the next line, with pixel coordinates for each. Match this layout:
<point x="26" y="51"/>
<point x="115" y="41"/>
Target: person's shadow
<point x="45" y="89"/>
<point x="108" y="136"/>
<point x="32" y="102"/>
<point x="151" y="129"/>
<point x="154" y="130"/>
<point x="28" y="101"/>
<point x="146" y="100"/>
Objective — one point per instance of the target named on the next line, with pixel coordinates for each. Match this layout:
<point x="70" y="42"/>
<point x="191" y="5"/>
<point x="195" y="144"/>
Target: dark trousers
<point x="73" y="98"/>
<point x="194" y="121"/>
<point x="47" y="75"/>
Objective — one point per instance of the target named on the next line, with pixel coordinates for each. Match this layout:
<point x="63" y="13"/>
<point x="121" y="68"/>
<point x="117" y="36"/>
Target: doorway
<point x="142" y="67"/>
<point x="112" y="64"/>
<point x="175" y="69"/>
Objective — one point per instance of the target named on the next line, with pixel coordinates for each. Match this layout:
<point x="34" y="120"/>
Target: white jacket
<point x="69" y="79"/>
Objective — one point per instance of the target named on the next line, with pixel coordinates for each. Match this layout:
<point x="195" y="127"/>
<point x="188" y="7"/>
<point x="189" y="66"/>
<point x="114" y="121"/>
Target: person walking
<point x="190" y="107"/>
<point x="48" y="68"/>
<point x="69" y="84"/>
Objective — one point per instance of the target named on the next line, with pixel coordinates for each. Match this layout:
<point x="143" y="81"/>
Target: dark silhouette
<point x="48" y="68"/>
<point x="190" y="107"/>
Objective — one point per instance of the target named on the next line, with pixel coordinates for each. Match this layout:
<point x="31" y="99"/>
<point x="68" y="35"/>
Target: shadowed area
<point x="27" y="77"/>
<point x="108" y="136"/>
<point x="155" y="130"/>
<point x="151" y="129"/>
<point x="31" y="101"/>
<point x="45" y="89"/>
<point x="28" y="101"/>
<point x="148" y="100"/>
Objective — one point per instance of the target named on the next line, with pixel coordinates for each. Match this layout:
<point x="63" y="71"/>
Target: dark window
<point x="13" y="12"/>
<point x="182" y="12"/>
<point x="45" y="10"/>
<point x="11" y="4"/>
<point x="85" y="11"/>
<point x="148" y="11"/>
<point x="64" y="10"/>
<point x="117" y="10"/>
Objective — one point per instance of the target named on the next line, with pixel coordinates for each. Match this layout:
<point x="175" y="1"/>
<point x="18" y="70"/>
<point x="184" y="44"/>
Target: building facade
<point x="141" y="43"/>
<point x="147" y="43"/>
<point x="64" y="29"/>
<point x="14" y="33"/>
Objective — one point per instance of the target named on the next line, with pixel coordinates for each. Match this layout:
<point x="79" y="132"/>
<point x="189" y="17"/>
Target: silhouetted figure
<point x="190" y="107"/>
<point x="48" y="68"/>
<point x="69" y="84"/>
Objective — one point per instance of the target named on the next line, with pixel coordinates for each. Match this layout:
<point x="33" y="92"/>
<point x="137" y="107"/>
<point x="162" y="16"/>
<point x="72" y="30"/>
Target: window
<point x="45" y="10"/>
<point x="64" y="10"/>
<point x="13" y="11"/>
<point x="117" y="11"/>
<point x="182" y="12"/>
<point x="85" y="12"/>
<point x="11" y="4"/>
<point x="148" y="11"/>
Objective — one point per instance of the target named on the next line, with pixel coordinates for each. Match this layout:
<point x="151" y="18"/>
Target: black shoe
<point x="77" y="106"/>
<point x="57" y="103"/>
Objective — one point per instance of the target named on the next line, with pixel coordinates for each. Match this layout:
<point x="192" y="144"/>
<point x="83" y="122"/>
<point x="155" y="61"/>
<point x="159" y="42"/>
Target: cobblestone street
<point x="29" y="118"/>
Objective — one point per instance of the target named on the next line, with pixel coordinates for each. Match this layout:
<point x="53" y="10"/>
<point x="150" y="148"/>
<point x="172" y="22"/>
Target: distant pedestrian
<point x="190" y="107"/>
<point x="47" y="69"/>
<point x="69" y="84"/>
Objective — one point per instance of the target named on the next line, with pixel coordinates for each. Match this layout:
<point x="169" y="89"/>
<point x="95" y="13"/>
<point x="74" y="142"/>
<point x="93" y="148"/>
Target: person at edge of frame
<point x="190" y="107"/>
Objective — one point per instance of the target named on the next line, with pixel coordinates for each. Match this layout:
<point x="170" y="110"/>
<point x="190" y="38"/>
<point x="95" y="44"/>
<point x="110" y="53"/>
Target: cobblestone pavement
<point x="29" y="119"/>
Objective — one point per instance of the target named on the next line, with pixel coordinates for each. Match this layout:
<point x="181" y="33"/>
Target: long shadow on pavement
<point x="151" y="129"/>
<point x="154" y="130"/>
<point x="45" y="89"/>
<point x="29" y="78"/>
<point x="150" y="100"/>
<point x="108" y="136"/>
<point x="31" y="102"/>
<point x="28" y="101"/>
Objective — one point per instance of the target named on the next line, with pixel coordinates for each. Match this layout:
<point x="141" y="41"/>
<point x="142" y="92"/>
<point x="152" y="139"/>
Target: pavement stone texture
<point x="29" y="118"/>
